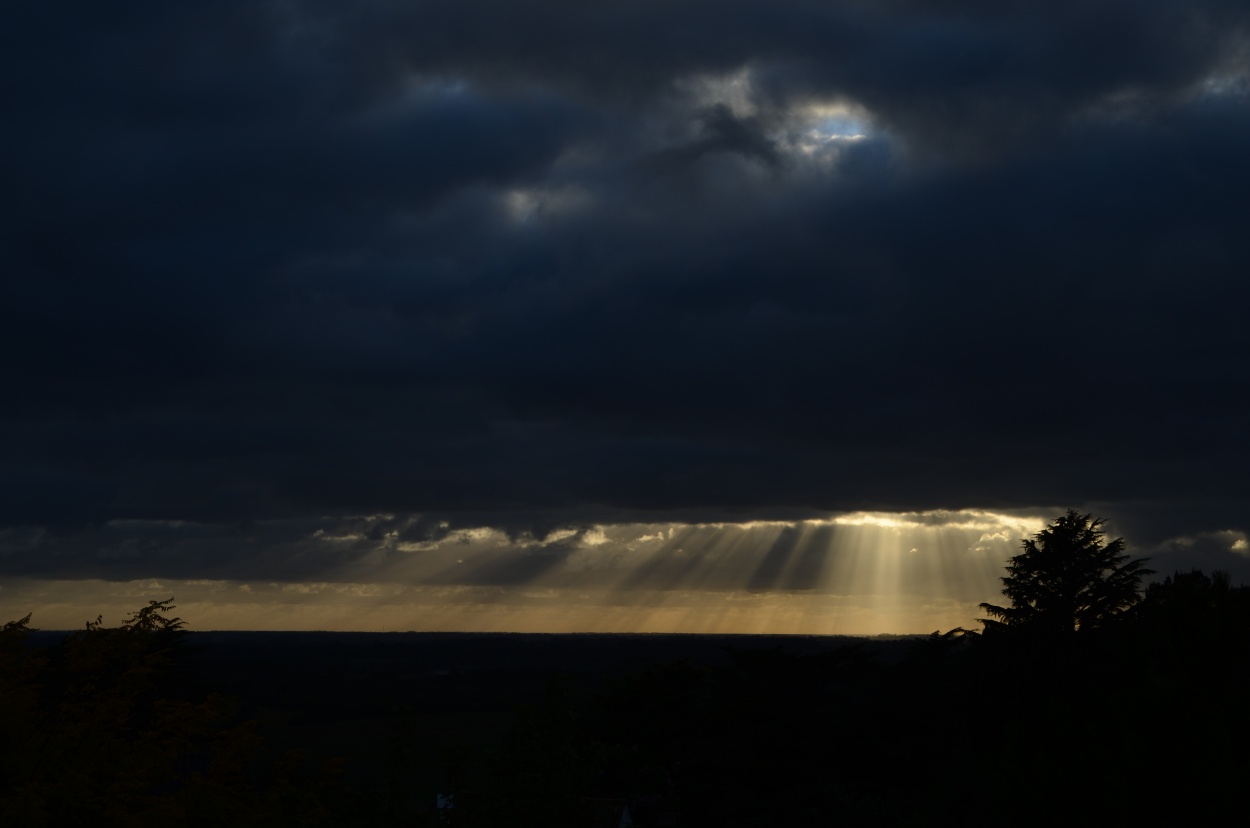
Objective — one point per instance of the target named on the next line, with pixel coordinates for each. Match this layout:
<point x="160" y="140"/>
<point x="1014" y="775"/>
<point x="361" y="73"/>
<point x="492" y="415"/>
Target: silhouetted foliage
<point x="1195" y="596"/>
<point x="1067" y="579"/>
<point x="103" y="729"/>
<point x="940" y="644"/>
<point x="1199" y="624"/>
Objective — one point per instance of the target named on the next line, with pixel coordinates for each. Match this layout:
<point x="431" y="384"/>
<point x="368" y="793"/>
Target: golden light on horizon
<point x="858" y="574"/>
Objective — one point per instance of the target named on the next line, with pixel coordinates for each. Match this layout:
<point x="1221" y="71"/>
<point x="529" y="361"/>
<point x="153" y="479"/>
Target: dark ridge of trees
<point x="104" y="729"/>
<point x="1082" y="701"/>
<point x="1126" y="706"/>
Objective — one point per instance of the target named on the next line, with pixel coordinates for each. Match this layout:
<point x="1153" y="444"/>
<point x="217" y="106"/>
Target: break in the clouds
<point x="552" y="267"/>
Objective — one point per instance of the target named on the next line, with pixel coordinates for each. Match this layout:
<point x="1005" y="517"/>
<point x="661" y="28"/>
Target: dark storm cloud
<point x="551" y="264"/>
<point x="722" y="132"/>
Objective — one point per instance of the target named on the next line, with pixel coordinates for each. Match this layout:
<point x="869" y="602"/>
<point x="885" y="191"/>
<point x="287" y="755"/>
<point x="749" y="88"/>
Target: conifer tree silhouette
<point x="1067" y="578"/>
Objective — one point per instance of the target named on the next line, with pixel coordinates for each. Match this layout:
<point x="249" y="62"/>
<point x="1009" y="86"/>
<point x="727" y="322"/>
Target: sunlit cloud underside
<point x="853" y="574"/>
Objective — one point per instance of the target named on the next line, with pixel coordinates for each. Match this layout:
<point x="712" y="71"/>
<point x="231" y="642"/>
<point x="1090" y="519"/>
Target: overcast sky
<point x="396" y="272"/>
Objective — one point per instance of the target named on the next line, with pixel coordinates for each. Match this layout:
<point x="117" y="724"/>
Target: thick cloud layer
<point x="560" y="264"/>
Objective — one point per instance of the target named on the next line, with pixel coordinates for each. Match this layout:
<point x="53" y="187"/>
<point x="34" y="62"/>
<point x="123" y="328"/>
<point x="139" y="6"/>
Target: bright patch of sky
<point x="812" y="131"/>
<point x="820" y="132"/>
<point x="527" y="205"/>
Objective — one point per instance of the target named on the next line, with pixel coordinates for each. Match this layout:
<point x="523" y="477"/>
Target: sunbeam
<point x="851" y="573"/>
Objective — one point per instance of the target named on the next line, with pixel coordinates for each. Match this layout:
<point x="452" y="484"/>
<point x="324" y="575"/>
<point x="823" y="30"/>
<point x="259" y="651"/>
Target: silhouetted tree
<point x="1199" y="623"/>
<point x="1194" y="594"/>
<point x="1068" y="578"/>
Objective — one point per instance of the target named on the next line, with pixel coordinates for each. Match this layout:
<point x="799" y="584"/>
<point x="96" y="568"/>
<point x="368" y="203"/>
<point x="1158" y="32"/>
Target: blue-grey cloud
<point x="560" y="264"/>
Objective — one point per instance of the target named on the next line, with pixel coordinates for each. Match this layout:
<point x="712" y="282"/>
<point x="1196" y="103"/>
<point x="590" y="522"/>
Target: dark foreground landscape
<point x="127" y="726"/>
